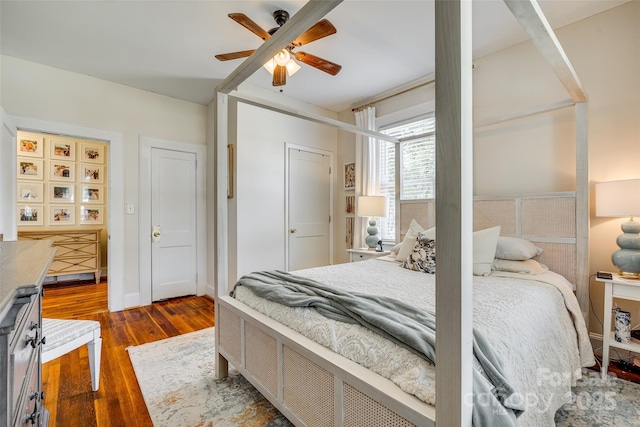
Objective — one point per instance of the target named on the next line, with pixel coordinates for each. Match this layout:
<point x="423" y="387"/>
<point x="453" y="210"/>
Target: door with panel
<point x="309" y="209"/>
<point x="173" y="218"/>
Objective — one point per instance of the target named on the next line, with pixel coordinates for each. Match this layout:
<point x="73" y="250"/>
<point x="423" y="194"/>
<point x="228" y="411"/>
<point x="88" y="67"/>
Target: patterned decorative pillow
<point x="423" y="256"/>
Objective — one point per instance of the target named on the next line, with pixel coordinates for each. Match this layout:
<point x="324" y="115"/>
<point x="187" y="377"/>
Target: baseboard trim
<point x="209" y="291"/>
<point x="132" y="300"/>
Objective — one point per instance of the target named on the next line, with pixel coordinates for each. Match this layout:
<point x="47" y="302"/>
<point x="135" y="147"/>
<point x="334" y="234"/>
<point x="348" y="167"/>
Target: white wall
<point x="8" y="229"/>
<point x="34" y="90"/>
<point x="259" y="201"/>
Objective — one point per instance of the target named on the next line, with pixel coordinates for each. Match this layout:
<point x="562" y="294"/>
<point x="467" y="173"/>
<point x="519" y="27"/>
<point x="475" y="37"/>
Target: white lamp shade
<point x="291" y="66"/>
<point x="372" y="206"/>
<point x="618" y="198"/>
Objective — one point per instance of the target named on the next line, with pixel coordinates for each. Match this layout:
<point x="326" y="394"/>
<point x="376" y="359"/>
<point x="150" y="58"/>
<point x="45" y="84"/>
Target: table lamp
<point x="372" y="207"/>
<point x="622" y="199"/>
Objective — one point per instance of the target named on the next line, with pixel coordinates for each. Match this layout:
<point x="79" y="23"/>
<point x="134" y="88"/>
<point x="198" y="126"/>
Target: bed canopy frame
<point x="453" y="214"/>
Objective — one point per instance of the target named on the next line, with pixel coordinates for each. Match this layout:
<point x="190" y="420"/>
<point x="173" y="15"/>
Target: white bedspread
<point x="533" y="322"/>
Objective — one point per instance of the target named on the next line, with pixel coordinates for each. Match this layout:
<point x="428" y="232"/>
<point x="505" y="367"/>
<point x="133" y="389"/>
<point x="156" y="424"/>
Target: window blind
<point x="417" y="166"/>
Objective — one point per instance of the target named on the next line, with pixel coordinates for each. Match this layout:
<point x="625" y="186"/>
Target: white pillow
<point x="429" y="234"/>
<point x="528" y="266"/>
<point x="484" y="250"/>
<point x="394" y="250"/>
<point x="409" y="240"/>
<point x="516" y="249"/>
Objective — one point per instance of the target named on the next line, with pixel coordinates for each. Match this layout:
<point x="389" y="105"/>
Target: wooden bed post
<point x="310" y="13"/>
<point x="533" y="21"/>
<point x="582" y="208"/>
<point x="454" y="213"/>
<point x="222" y="236"/>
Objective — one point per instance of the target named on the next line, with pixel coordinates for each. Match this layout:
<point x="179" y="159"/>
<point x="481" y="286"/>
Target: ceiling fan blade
<point x="319" y="63"/>
<point x="246" y="22"/>
<point x="279" y="76"/>
<point x="319" y="30"/>
<point x="234" y="55"/>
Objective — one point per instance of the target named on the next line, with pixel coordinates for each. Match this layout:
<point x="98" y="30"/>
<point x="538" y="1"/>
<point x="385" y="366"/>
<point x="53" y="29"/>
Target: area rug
<point x="176" y="376"/>
<point x="614" y="402"/>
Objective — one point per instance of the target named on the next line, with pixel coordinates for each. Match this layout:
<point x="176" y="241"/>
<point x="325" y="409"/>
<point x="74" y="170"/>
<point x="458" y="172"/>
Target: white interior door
<point x="309" y="209"/>
<point x="173" y="219"/>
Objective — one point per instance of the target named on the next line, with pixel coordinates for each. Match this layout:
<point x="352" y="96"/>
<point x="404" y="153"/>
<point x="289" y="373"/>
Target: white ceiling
<point x="168" y="47"/>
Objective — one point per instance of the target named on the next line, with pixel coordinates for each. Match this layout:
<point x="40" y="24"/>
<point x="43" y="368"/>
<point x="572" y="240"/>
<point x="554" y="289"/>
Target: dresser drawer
<point x="30" y="406"/>
<point x="22" y="350"/>
<point x="66" y="250"/>
<point x="72" y="265"/>
<point x="62" y="236"/>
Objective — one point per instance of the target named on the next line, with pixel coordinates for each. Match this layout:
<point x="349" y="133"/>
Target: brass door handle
<point x="293" y="230"/>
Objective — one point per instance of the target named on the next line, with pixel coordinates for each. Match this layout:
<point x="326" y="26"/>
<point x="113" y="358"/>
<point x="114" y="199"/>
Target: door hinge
<point x="329" y="170"/>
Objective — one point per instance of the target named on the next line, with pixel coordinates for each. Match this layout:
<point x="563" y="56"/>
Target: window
<point x="417" y="172"/>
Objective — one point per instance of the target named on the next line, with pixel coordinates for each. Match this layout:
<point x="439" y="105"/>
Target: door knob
<point x="293" y="230"/>
<point x="155" y="233"/>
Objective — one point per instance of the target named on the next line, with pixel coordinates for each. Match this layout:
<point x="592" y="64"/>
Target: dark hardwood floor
<point x="118" y="401"/>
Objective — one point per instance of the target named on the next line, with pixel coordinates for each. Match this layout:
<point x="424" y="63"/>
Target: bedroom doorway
<point x="309" y="206"/>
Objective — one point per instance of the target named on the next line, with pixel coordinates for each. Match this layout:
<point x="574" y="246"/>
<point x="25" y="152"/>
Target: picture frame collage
<point x="349" y="182"/>
<point x="61" y="182"/>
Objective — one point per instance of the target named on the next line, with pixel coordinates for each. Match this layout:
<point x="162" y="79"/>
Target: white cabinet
<point x="616" y="287"/>
<point x="22" y="269"/>
<point x="364" y="254"/>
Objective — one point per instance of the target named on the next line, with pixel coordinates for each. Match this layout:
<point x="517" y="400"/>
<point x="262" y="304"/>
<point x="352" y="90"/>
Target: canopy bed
<point x="313" y="385"/>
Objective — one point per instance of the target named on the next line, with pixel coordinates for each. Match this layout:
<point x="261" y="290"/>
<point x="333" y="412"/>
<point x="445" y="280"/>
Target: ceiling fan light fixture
<point x="292" y="67"/>
<point x="270" y="65"/>
<point x="282" y="58"/>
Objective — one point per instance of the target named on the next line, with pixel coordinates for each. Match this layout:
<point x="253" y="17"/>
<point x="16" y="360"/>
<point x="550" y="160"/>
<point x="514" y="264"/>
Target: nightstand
<point x="364" y="254"/>
<point x="616" y="287"/>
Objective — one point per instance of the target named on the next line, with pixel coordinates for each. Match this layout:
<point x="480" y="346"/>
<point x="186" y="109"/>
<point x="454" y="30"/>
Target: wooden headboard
<point x="547" y="219"/>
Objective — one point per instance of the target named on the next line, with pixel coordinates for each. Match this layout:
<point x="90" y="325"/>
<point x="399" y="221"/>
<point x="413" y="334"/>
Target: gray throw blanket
<point x="496" y="403"/>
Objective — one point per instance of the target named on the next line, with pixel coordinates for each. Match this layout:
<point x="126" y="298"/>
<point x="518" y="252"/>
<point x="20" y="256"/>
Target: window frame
<point x="398" y="164"/>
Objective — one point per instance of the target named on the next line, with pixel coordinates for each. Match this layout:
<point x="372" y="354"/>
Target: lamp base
<point x="629" y="276"/>
<point x="372" y="239"/>
<point x="627" y="258"/>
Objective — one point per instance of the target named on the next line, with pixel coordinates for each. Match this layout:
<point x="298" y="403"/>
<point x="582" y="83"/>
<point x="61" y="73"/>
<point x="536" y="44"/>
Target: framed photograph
<point x="62" y="171"/>
<point x="30" y="145"/>
<point x="91" y="173"/>
<point x="61" y="215"/>
<point x="63" y="150"/>
<point x="91" y="193"/>
<point x="30" y="192"/>
<point x="30" y="169"/>
<point x="92" y="153"/>
<point x="349" y="176"/>
<point x="91" y="214"/>
<point x="61" y="193"/>
<point x="30" y="215"/>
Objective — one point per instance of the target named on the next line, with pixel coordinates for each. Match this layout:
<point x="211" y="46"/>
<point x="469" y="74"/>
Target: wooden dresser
<point x="78" y="249"/>
<point x="23" y="266"/>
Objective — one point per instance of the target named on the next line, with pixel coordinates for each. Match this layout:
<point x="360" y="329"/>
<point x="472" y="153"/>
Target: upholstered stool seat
<point x="62" y="336"/>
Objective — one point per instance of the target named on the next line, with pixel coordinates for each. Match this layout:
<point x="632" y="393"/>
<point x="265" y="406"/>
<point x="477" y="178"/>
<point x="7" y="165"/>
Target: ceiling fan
<point x="283" y="63"/>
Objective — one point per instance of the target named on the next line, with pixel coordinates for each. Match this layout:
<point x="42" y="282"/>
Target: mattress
<point x="532" y="321"/>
